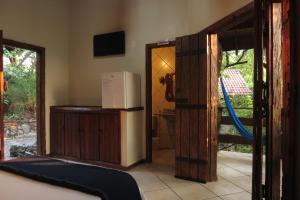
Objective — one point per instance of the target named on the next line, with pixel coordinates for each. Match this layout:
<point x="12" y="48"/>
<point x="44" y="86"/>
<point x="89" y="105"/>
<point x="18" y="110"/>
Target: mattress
<point x="13" y="186"/>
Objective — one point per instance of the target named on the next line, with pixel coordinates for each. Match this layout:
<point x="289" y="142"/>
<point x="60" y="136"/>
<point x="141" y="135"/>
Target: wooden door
<point x="89" y="136"/>
<point x="1" y="97"/>
<point x="268" y="101"/>
<point x="57" y="133"/>
<point x="110" y="138"/>
<point x="289" y="12"/>
<point x="258" y="109"/>
<point x="196" y="101"/>
<point x="275" y="74"/>
<point x="72" y="136"/>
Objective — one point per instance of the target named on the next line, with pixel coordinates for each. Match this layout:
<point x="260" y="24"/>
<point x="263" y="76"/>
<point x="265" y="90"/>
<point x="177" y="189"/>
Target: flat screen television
<point x="109" y="44"/>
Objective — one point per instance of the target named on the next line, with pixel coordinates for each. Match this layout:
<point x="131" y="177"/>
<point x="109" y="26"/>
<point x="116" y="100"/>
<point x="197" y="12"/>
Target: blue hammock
<point x="236" y="121"/>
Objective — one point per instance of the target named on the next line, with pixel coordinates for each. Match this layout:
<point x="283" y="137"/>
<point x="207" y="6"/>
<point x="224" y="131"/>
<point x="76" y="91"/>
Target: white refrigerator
<point x="121" y="90"/>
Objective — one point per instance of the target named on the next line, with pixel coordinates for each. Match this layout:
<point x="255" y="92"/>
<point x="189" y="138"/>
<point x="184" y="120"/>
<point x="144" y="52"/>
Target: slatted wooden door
<point x="289" y="101"/>
<point x="258" y="108"/>
<point x="89" y="136"/>
<point x="268" y="101"/>
<point x="275" y="101"/>
<point x="196" y="107"/>
<point x="1" y="97"/>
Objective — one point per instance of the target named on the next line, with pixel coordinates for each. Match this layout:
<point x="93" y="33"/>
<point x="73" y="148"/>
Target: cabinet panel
<point x="89" y="135"/>
<point x="72" y="136"/>
<point x="57" y="136"/>
<point x="110" y="139"/>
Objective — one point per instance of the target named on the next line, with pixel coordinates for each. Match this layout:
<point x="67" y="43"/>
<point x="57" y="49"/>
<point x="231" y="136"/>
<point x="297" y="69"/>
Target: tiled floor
<point x="234" y="180"/>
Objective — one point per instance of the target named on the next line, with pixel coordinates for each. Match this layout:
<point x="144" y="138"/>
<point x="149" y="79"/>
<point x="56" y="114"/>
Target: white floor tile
<point x="223" y="187"/>
<point x="237" y="196"/>
<point x="165" y="194"/>
<point x="245" y="182"/>
<point x="228" y="172"/>
<point x="194" y="192"/>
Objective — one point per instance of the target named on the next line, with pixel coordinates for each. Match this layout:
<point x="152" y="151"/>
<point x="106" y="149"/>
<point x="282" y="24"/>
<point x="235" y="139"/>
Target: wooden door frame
<point x="149" y="48"/>
<point x="220" y="26"/>
<point x="1" y="98"/>
<point x="290" y="52"/>
<point x="40" y="75"/>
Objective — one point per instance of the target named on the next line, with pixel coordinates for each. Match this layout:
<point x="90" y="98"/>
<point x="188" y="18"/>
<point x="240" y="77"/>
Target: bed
<point x="13" y="186"/>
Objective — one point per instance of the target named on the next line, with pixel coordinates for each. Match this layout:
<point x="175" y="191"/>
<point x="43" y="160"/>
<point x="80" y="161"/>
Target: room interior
<point x="113" y="111"/>
<point x="163" y="108"/>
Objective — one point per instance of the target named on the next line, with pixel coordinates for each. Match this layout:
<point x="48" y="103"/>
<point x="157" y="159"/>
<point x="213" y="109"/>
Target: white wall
<point x="89" y="18"/>
<point x="144" y="21"/>
<point x="44" y="23"/>
<point x="65" y="28"/>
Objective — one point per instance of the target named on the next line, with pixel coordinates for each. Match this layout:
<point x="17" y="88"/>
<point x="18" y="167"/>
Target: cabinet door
<point x="72" y="137"/>
<point x="110" y="138"/>
<point x="57" y="133"/>
<point x="89" y="135"/>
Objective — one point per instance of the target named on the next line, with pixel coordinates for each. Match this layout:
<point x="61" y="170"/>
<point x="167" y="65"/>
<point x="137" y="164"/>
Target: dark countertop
<point x="73" y="108"/>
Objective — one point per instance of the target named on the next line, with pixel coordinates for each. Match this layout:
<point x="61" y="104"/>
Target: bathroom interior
<point x="163" y="105"/>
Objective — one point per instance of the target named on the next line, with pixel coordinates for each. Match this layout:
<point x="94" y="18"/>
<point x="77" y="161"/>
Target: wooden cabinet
<point x="109" y="147"/>
<point x="72" y="135"/>
<point x="57" y="127"/>
<point x="87" y="133"/>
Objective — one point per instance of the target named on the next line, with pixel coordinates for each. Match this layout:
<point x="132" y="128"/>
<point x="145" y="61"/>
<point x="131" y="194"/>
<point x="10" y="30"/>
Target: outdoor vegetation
<point x="19" y="102"/>
<point x="20" y="83"/>
<point x="243" y="104"/>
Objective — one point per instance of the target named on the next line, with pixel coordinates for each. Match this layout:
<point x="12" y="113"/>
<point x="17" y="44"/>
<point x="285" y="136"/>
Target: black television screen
<point x="109" y="44"/>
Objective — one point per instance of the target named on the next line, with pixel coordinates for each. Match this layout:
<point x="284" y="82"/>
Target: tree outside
<point x="19" y="102"/>
<point x="242" y="60"/>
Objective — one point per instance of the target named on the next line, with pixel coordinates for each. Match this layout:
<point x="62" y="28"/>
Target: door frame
<point x="149" y="48"/>
<point x="220" y="26"/>
<point x="290" y="52"/>
<point x="40" y="75"/>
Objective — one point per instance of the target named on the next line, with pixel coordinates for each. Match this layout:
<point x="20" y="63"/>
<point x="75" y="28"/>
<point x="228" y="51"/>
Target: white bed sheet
<point x="13" y="187"/>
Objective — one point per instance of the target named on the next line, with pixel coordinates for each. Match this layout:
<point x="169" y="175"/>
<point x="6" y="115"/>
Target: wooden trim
<point x="148" y="55"/>
<point x="187" y="159"/>
<point x="1" y="97"/>
<point x="22" y="45"/>
<point x="231" y="20"/>
<point x="274" y="93"/>
<point x="258" y="114"/>
<point x="191" y="179"/>
<point x="246" y="121"/>
<point x="234" y="139"/>
<point x="291" y="64"/>
<point x="96" y="163"/>
<point x="191" y="53"/>
<point x="94" y="108"/>
<point x="41" y="63"/>
<point x="192" y="106"/>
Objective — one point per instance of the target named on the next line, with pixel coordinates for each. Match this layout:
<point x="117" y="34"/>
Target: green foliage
<point x="243" y="105"/>
<point x="20" y="74"/>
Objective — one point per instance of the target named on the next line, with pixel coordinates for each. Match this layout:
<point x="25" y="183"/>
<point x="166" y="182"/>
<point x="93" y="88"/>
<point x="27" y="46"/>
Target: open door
<point x="289" y="12"/>
<point x="1" y="96"/>
<point x="275" y="80"/>
<point x="259" y="108"/>
<point x="196" y="107"/>
<point x="268" y="100"/>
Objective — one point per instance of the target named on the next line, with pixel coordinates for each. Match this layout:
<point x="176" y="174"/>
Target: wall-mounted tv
<point x="109" y="44"/>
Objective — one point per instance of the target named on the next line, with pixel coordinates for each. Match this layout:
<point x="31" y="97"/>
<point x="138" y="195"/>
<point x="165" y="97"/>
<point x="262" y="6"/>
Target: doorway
<point x="23" y="132"/>
<point x="161" y="103"/>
